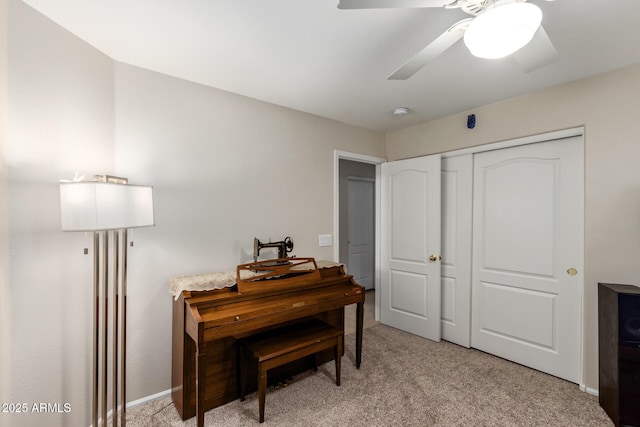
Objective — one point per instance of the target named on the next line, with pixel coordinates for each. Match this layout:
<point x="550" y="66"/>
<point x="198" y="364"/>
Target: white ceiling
<point x="311" y="56"/>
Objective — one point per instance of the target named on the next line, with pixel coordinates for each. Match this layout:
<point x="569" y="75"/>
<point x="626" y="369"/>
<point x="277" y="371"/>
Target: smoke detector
<point x="400" y="111"/>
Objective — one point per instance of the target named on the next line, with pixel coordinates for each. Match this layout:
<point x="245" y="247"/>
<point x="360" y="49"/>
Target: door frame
<point x="362" y="158"/>
<point x="541" y="137"/>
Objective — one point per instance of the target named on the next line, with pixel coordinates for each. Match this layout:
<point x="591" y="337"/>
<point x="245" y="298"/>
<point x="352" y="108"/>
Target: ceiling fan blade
<point x="396" y="4"/>
<point x="432" y="51"/>
<point x="538" y="53"/>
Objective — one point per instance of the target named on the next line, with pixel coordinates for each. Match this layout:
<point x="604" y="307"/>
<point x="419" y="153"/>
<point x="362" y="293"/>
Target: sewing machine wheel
<point x="288" y="244"/>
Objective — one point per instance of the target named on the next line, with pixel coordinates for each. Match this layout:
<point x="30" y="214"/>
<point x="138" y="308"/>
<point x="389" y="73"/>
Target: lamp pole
<point x="108" y="207"/>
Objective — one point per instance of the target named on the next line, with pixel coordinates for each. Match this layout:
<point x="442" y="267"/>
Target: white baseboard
<point x="589" y="390"/>
<point x="149" y="398"/>
<point x="139" y="402"/>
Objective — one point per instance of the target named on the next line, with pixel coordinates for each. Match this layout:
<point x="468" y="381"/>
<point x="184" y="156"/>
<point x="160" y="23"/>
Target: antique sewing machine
<point x="284" y="247"/>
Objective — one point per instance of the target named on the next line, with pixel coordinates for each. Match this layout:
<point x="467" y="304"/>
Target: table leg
<point x="359" y="327"/>
<point x="200" y="386"/>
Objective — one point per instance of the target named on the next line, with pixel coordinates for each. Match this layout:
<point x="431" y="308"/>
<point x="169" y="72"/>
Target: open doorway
<point x="340" y="224"/>
<point x="357" y="220"/>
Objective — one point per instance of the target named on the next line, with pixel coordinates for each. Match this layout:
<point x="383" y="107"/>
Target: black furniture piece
<point x="619" y="352"/>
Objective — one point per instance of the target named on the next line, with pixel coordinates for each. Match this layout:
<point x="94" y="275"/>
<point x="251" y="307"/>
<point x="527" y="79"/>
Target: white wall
<point x="608" y="106"/>
<point x="225" y="169"/>
<point x="5" y="331"/>
<point x="60" y="120"/>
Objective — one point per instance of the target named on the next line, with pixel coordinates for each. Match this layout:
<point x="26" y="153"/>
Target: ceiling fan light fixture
<point x="502" y="29"/>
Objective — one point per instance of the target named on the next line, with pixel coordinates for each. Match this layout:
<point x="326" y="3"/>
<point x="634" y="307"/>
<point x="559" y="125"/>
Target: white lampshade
<point x="502" y="29"/>
<point x="92" y="206"/>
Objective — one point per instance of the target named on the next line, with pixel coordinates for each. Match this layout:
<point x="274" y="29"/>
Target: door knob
<point x="572" y="271"/>
<point x="433" y="257"/>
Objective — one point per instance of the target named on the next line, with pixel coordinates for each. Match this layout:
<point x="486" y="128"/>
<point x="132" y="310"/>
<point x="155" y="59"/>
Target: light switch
<point x="324" y="239"/>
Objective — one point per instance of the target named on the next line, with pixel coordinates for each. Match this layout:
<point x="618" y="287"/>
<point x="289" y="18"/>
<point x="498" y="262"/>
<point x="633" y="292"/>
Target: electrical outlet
<point x="324" y="239"/>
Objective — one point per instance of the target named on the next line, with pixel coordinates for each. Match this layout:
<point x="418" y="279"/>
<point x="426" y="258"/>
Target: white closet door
<point x="410" y="246"/>
<point x="527" y="255"/>
<point x="457" y="193"/>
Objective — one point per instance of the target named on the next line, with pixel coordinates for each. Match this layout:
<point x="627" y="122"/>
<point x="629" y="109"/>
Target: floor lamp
<point x="107" y="207"/>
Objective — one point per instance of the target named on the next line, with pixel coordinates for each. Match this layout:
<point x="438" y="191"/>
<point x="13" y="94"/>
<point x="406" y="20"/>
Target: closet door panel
<point x="457" y="193"/>
<point x="527" y="256"/>
<point x="410" y="246"/>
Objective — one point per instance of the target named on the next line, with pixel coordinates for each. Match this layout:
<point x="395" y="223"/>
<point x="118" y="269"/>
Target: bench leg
<point x="338" y="356"/>
<point x="359" y="327"/>
<point x="243" y="374"/>
<point x="262" y="389"/>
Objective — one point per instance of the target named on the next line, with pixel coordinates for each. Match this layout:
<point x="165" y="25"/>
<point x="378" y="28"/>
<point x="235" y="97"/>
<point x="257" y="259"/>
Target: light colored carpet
<point x="405" y="380"/>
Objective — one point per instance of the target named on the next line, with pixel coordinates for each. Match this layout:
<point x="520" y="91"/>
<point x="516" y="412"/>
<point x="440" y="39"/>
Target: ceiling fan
<point x="498" y="28"/>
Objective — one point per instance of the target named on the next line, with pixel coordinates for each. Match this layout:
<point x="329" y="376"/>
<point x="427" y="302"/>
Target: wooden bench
<point x="281" y="346"/>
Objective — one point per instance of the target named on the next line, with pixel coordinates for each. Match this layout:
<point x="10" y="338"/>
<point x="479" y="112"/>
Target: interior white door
<point x="457" y="194"/>
<point x="527" y="256"/>
<point x="361" y="239"/>
<point x="410" y="246"/>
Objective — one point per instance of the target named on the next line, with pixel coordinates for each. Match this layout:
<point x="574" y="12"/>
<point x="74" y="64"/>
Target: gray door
<point x="361" y="239"/>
